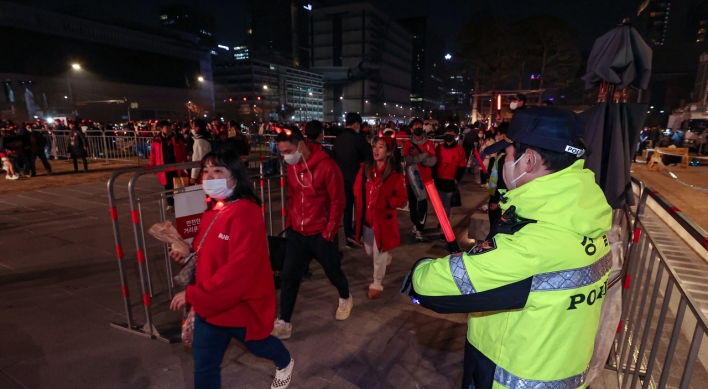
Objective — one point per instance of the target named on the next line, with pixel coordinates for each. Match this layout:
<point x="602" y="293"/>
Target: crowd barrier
<point x="128" y="147"/>
<point x="146" y="273"/>
<point x="659" y="340"/>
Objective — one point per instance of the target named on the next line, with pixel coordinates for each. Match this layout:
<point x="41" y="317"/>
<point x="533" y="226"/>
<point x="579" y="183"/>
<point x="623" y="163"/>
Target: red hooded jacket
<point x="315" y="195"/>
<point x="234" y="282"/>
<point x="391" y="195"/>
<point x="157" y="159"/>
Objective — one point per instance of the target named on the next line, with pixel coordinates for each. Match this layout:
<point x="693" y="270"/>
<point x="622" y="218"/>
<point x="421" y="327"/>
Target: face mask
<point x="292" y="159"/>
<point x="194" y="132"/>
<point x="217" y="189"/>
<point x="513" y="105"/>
<point x="509" y="172"/>
<point x="418" y="131"/>
<point x="449" y="138"/>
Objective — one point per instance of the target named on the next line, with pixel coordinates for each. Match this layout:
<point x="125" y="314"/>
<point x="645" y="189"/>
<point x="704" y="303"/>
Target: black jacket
<point x="350" y="150"/>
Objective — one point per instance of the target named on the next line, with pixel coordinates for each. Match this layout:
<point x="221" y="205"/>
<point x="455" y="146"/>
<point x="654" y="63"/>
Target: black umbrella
<point x="620" y="57"/>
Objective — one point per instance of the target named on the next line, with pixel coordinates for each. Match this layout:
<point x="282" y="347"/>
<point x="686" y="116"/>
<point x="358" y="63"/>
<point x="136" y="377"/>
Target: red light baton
<point x="479" y="159"/>
<point x="453" y="246"/>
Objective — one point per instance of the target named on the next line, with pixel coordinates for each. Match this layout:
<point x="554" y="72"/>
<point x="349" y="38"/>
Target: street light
<point x="265" y="87"/>
<point x="76" y="66"/>
<point x="200" y="79"/>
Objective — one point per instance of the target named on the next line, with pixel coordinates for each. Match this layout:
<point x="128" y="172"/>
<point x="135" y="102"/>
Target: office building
<point x="365" y="57"/>
<point x="427" y="67"/>
<point x="676" y="32"/>
<point x="280" y="31"/>
<point x="181" y="17"/>
<point x="253" y="90"/>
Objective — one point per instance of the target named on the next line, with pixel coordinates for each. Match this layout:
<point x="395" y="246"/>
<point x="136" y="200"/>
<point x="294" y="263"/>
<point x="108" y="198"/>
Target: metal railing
<point x="658" y="306"/>
<point x="127" y="147"/>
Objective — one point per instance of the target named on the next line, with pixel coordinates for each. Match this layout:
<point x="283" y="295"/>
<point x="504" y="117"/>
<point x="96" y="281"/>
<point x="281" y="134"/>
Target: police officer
<point x="534" y="291"/>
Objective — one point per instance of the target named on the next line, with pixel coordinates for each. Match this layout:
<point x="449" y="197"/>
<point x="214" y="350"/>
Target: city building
<point x="365" y="57"/>
<point x="280" y="32"/>
<point x="63" y="64"/>
<point x="676" y="32"/>
<point x="427" y="67"/>
<point x="252" y="90"/>
<point x="181" y="17"/>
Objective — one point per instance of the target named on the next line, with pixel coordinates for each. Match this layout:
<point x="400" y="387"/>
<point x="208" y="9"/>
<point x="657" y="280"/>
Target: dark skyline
<point x="592" y="18"/>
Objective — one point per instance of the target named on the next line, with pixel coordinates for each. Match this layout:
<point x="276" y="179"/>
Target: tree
<point x="554" y="50"/>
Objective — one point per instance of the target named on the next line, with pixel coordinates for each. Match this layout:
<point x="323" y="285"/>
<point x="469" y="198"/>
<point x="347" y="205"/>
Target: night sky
<point x="592" y="17"/>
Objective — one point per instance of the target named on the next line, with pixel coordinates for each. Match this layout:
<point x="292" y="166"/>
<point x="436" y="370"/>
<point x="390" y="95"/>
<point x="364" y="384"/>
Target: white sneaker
<point x="282" y="330"/>
<point x="419" y="236"/>
<point x="14" y="177"/>
<point x="283" y="376"/>
<point x="345" y="308"/>
<point x="415" y="230"/>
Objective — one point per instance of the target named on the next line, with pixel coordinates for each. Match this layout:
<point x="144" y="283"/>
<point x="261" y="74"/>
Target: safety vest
<point x="534" y="292"/>
<point x="494" y="175"/>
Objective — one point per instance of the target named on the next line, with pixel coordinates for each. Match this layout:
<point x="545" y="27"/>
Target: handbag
<point x="186" y="276"/>
<point x="188" y="327"/>
<point x="456" y="200"/>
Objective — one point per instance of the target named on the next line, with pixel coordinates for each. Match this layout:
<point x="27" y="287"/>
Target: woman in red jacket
<point x="233" y="295"/>
<point x="378" y="190"/>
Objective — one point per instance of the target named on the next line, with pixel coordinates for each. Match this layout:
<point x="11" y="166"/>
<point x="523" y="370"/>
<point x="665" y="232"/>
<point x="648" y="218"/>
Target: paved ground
<point x="59" y="290"/>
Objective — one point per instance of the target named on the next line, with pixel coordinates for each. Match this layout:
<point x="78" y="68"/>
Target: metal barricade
<point x="656" y="306"/>
<point x="147" y="272"/>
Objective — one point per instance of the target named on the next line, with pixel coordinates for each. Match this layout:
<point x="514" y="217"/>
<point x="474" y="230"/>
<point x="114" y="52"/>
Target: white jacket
<point x="201" y="148"/>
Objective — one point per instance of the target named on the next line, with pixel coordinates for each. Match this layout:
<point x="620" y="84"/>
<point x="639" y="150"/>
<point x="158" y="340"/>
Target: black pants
<point x="170" y="185"/>
<point x="418" y="210"/>
<point x="349" y="211"/>
<point x="299" y="250"/>
<point x="494" y="219"/>
<point x="42" y="157"/>
<point x="75" y="158"/>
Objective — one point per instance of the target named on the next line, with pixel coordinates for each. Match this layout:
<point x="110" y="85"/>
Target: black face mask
<point x="418" y="131"/>
<point x="449" y="138"/>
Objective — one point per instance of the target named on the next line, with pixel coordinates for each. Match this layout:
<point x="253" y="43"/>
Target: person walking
<point x="350" y="150"/>
<point x="379" y="190"/>
<point x="496" y="183"/>
<point x="420" y="151"/>
<point x="450" y="168"/>
<point x="200" y="147"/>
<point x="314" y="215"/>
<point x="233" y="295"/>
<point x="78" y="146"/>
<point x="167" y="148"/>
<point x="37" y="144"/>
<point x="534" y="292"/>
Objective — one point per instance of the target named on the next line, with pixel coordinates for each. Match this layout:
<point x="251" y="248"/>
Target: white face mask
<point x="294" y="158"/>
<point x="513" y="105"/>
<point x="509" y="179"/>
<point x="218" y="188"/>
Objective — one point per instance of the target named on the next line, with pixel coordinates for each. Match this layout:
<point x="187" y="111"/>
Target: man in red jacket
<point x="450" y="167"/>
<point x="167" y="148"/>
<point x="315" y="209"/>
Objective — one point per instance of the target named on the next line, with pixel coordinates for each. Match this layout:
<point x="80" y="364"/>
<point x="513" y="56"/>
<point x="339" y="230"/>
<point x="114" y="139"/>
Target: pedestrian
<point x="525" y="326"/>
<point x="314" y="215"/>
<point x="200" y="147"/>
<point x="351" y="149"/>
<point x="78" y="145"/>
<point x="243" y="147"/>
<point x="167" y="148"/>
<point x="420" y="151"/>
<point x="315" y="134"/>
<point x="450" y="168"/>
<point x="487" y="140"/>
<point x="379" y="190"/>
<point x="517" y="102"/>
<point x="6" y="157"/>
<point x="233" y="296"/>
<point x="36" y="150"/>
<point x="496" y="183"/>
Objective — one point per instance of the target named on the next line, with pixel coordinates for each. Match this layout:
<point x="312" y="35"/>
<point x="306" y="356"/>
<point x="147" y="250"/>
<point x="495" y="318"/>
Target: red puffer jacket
<point x="315" y="195"/>
<point x="157" y="159"/>
<point x="391" y="195"/>
<point x="234" y="282"/>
